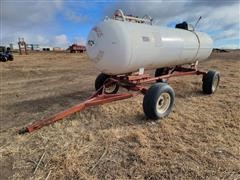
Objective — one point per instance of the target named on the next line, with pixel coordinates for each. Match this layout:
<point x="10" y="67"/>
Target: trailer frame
<point x="132" y="82"/>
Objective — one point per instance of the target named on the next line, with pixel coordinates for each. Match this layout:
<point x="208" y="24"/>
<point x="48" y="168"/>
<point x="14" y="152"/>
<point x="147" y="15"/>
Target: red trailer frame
<point x="133" y="82"/>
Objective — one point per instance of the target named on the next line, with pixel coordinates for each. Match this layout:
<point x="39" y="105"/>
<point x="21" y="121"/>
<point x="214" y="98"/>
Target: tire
<point x="161" y="72"/>
<point x="156" y="94"/>
<point x="4" y="59"/>
<point x="10" y="57"/>
<point x="210" y="82"/>
<point x="99" y="82"/>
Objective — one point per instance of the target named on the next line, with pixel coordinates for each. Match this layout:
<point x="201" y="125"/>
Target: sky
<point x="59" y="23"/>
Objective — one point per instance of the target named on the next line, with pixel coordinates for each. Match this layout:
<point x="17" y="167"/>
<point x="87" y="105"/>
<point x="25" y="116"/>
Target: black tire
<point x="156" y="94"/>
<point x="210" y="82"/>
<point x="4" y="59"/>
<point x="100" y="80"/>
<point x="161" y="72"/>
<point x="10" y="57"/>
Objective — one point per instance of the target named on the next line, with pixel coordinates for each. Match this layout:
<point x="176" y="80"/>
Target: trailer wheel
<point x="161" y="72"/>
<point x="210" y="82"/>
<point x="101" y="79"/>
<point x="158" y="101"/>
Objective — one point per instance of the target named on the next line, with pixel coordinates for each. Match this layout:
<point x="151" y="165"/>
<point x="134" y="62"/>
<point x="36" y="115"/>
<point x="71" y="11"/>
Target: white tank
<point x="119" y="47"/>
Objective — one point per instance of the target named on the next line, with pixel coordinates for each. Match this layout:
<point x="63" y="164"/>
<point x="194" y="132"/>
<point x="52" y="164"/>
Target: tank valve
<point x="91" y="42"/>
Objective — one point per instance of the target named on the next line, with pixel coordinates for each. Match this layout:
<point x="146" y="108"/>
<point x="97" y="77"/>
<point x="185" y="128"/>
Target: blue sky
<point x="59" y="23"/>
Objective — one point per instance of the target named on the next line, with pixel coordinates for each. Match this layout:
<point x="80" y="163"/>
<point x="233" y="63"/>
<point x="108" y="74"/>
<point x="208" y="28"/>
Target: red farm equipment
<point x="75" y="48"/>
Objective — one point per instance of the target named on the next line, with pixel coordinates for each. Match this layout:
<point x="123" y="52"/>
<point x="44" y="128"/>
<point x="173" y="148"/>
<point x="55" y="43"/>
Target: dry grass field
<point x="199" y="140"/>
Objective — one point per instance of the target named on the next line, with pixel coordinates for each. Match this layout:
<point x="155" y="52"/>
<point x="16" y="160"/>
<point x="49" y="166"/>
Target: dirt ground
<point x="199" y="140"/>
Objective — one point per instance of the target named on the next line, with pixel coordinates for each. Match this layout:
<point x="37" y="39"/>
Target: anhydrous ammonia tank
<point x="120" y="46"/>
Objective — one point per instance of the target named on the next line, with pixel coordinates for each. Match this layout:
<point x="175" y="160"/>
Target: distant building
<point x="57" y="49"/>
<point x="45" y="48"/>
<point x="33" y="47"/>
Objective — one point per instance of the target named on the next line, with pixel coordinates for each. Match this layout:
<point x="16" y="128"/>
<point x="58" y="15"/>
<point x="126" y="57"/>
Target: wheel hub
<point x="110" y="88"/>
<point x="215" y="83"/>
<point x="163" y="103"/>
